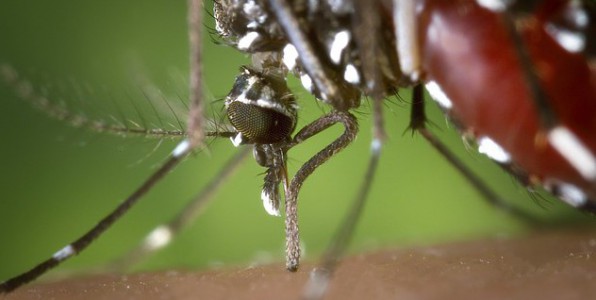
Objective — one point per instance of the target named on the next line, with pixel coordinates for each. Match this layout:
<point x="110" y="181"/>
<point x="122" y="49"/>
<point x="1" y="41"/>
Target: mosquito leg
<point x="367" y="33"/>
<point x="418" y="124"/>
<point x="24" y="90"/>
<point x="163" y="234"/>
<point x="319" y="280"/>
<point x="196" y="117"/>
<point x="178" y="154"/>
<point x="196" y="136"/>
<point x="313" y="66"/>
<point x="72" y="249"/>
<point x="351" y="129"/>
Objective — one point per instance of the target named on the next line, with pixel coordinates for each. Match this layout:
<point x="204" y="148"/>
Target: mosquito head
<point x="261" y="108"/>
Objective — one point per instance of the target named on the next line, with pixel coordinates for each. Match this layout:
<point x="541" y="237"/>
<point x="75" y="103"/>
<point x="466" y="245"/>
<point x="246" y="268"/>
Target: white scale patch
<point x="64" y="253"/>
<point x="438" y="95"/>
<point x="568" y="193"/>
<point x="269" y="205"/>
<point x="495" y="5"/>
<point x="181" y="148"/>
<point x="572" y="195"/>
<point x="158" y="238"/>
<point x="376" y="145"/>
<point x="271" y="105"/>
<point x="252" y="25"/>
<point x="262" y="102"/>
<point x="406" y="29"/>
<point x="250" y="8"/>
<point x="574" y="151"/>
<point x="237" y="140"/>
<point x="580" y="16"/>
<point x="290" y="56"/>
<point x="246" y="41"/>
<point x="571" y="41"/>
<point x="306" y="82"/>
<point x="493" y="150"/>
<point x="340" y="42"/>
<point x="351" y="74"/>
<point x="242" y="97"/>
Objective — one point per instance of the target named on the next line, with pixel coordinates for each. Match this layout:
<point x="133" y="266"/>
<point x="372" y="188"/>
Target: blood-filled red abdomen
<point x="468" y="52"/>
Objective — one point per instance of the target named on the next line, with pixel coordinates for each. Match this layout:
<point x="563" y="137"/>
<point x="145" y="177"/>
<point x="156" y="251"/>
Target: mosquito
<point x="263" y="111"/>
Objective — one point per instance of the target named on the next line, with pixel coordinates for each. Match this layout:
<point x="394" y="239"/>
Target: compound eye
<point x="261" y="108"/>
<point x="258" y="124"/>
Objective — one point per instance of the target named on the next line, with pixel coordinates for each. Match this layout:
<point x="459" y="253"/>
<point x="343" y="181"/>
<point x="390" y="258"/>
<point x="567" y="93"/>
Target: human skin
<point x="550" y="264"/>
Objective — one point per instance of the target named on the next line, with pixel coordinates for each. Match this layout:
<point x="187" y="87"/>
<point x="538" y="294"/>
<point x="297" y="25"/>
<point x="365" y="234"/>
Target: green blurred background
<point x="95" y="57"/>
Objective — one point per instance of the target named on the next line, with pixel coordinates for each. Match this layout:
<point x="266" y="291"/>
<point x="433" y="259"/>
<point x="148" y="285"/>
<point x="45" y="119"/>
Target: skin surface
<point x="552" y="264"/>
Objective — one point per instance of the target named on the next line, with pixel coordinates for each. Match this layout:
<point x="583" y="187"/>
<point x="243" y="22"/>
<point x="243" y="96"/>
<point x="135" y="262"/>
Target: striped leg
<point x="418" y="124"/>
<point x="196" y="136"/>
<point x="162" y="235"/>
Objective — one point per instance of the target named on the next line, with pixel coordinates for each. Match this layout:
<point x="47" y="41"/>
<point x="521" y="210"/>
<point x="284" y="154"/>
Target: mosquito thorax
<point x="246" y="25"/>
<point x="261" y="108"/>
<point x="250" y="27"/>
